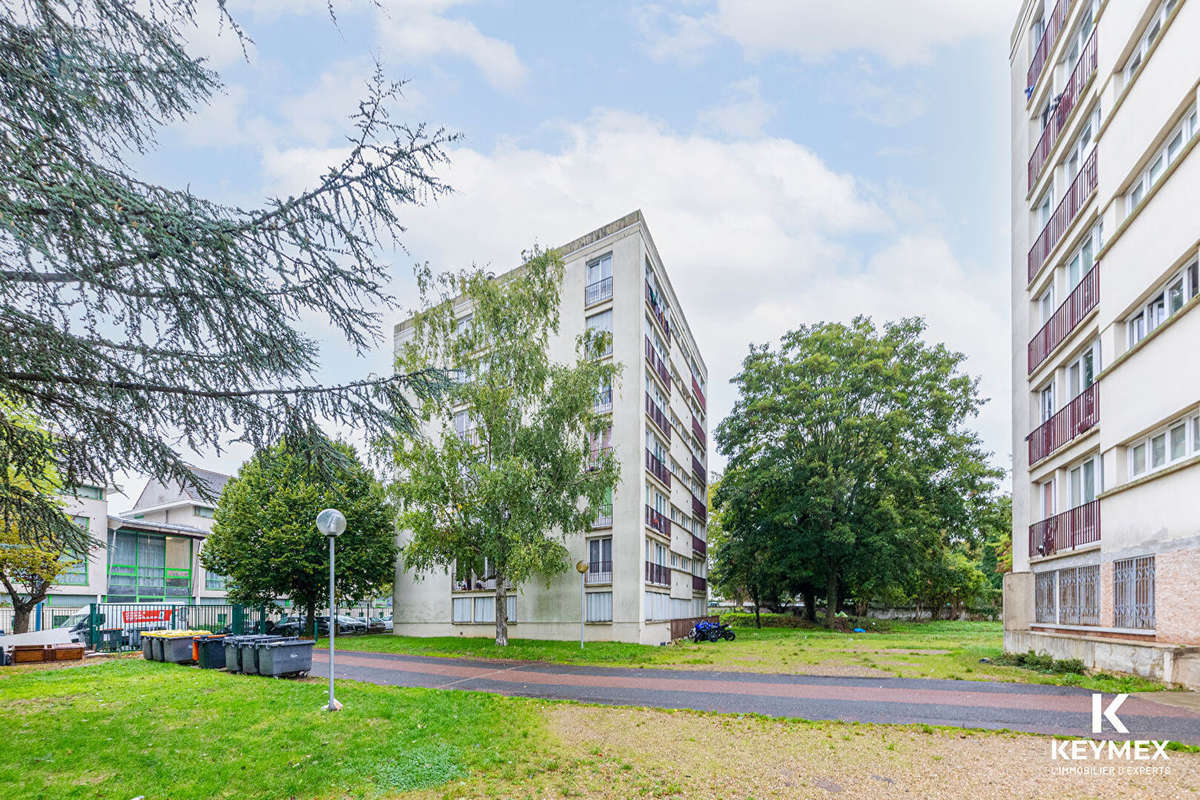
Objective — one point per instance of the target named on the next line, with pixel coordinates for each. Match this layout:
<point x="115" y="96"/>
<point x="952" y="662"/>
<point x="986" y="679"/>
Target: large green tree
<point x="745" y="545"/>
<point x="266" y="543"/>
<point x="856" y="439"/>
<point x="136" y="317"/>
<point x="512" y="468"/>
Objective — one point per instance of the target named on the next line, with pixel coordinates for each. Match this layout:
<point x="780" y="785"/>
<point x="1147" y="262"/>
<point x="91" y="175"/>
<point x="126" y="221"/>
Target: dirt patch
<point x="911" y="652"/>
<point x="838" y="669"/>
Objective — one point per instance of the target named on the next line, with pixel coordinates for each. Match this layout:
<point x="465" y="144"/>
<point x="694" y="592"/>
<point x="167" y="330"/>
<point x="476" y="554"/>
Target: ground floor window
<point x="658" y="605"/>
<point x="1044" y="597"/>
<point x="599" y="606"/>
<point x="1079" y="595"/>
<point x="481" y="609"/>
<point x="1133" y="592"/>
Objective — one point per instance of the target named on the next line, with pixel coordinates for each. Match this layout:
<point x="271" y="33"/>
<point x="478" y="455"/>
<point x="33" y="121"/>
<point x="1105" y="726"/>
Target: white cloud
<point x="744" y="114"/>
<point x="900" y="31"/>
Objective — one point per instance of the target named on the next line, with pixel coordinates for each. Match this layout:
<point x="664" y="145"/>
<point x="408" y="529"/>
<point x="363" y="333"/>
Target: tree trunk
<point x="831" y="597"/>
<point x="501" y="611"/>
<point x="810" y="605"/>
<point x="757" y="619"/>
<point x="310" y="618"/>
<point x="21" y="618"/>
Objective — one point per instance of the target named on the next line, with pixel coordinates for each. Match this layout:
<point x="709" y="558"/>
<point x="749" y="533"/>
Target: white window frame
<point x="1190" y="425"/>
<point x="1045" y="402"/>
<point x="1045" y="304"/>
<point x="1079" y="36"/>
<point x="1162" y="158"/>
<point x="1083" y="144"/>
<point x="1082" y="482"/>
<point x="594" y="322"/>
<point x="1075" y="369"/>
<point x="1084" y="258"/>
<point x="1149" y="316"/>
<point x="1154" y="27"/>
<point x="599" y="268"/>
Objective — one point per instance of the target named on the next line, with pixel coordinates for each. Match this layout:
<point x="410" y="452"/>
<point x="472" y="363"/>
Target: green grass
<point x="127" y="728"/>
<point x="941" y="649"/>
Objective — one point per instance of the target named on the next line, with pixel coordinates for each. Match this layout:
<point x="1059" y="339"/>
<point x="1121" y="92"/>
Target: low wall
<point x="1161" y="662"/>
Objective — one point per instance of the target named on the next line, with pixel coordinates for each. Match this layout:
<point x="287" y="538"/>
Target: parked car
<point x="377" y="625"/>
<point x="294" y="626"/>
<point x="350" y="625"/>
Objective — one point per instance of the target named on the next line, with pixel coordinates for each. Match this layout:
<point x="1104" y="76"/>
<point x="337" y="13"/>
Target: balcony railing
<point x="596" y="454"/>
<point x="1075" y="418"/>
<point x="699" y="472"/>
<point x="698" y="429"/>
<point x="699" y="510"/>
<point x="604" y="517"/>
<point x="1084" y="69"/>
<point x="598" y="292"/>
<point x="1066" y="318"/>
<point x="658" y="469"/>
<point x="658" y="573"/>
<point x="659" y="418"/>
<point x="658" y="522"/>
<point x="699" y="546"/>
<point x="598" y="572"/>
<point x="604" y="402"/>
<point x="1081" y="189"/>
<point x="657" y="307"/>
<point x="699" y="394"/>
<point x="657" y="364"/>
<point x="1054" y="26"/>
<point x="699" y="584"/>
<point x="1066" y="531"/>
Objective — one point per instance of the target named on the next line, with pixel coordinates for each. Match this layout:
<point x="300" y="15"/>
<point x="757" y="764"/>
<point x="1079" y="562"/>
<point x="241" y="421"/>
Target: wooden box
<point x="68" y="652"/>
<point x="31" y="653"/>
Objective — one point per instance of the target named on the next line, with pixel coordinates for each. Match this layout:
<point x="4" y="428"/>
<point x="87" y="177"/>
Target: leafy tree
<point x="746" y="559"/>
<point x="265" y="539"/>
<point x="132" y="313"/>
<point x="35" y="544"/>
<point x="859" y="434"/>
<point x="512" y="469"/>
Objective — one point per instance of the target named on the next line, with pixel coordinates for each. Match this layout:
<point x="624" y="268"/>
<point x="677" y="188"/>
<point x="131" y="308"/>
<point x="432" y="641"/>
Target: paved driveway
<point x="969" y="704"/>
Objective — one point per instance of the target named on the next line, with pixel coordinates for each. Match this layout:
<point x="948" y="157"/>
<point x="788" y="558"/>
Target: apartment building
<point x="646" y="552"/>
<point x="1106" y="379"/>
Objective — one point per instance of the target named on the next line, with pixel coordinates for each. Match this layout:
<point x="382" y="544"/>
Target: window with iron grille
<point x="1133" y="592"/>
<point x="1044" y="597"/>
<point x="1079" y="595"/>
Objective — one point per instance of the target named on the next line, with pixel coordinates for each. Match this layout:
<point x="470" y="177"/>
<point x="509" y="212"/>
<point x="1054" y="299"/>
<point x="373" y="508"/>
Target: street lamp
<point x="581" y="567"/>
<point x="331" y="523"/>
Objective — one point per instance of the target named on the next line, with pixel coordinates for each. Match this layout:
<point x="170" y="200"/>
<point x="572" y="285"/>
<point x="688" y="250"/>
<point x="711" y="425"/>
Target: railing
<point x="604" y="517"/>
<point x="699" y="584"/>
<point x="604" y="402"/>
<point x="658" y="573"/>
<point x="699" y="471"/>
<point x="1066" y="318"/>
<point x="699" y="546"/>
<point x="658" y="522"/>
<point x="699" y="510"/>
<point x="659" y="418"/>
<point x="698" y="429"/>
<point x="1074" y="418"/>
<point x="657" y="364"/>
<point x="1084" y="69"/>
<point x="699" y="394"/>
<point x="656" y="307"/>
<point x="598" y="572"/>
<point x="658" y="469"/>
<point x="596" y="454"/>
<point x="598" y="292"/>
<point x="1081" y="189"/>
<point x="1066" y="531"/>
<point x="1054" y="25"/>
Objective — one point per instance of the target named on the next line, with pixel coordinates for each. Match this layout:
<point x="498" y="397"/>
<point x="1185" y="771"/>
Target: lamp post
<point x="331" y="523"/>
<point x="581" y="567"/>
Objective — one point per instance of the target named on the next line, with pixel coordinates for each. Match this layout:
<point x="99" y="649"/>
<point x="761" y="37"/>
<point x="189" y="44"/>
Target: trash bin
<point x="233" y="653"/>
<point x="249" y="648"/>
<point x="177" y="648"/>
<point x="147" y="647"/>
<point x="290" y="656"/>
<point x="157" y="647"/>
<point x="210" y="651"/>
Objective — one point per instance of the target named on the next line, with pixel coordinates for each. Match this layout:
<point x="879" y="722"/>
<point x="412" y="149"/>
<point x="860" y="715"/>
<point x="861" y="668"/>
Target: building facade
<point x="1106" y="379"/>
<point x="647" y="551"/>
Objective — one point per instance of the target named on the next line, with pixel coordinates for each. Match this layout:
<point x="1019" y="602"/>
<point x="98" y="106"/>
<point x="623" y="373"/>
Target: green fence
<point x="119" y="626"/>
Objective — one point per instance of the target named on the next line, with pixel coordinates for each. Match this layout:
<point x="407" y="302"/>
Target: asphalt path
<point x="1033" y="708"/>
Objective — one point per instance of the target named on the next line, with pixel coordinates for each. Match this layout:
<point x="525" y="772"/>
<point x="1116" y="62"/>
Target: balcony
<point x="597" y="292"/>
<point x="598" y="572"/>
<point x="653" y="298"/>
<point x="656" y="363"/>
<point x="698" y="430"/>
<point x="1066" y="318"/>
<point x="658" y="417"/>
<point x="658" y="522"/>
<point x="596" y="454"/>
<point x="604" y="402"/>
<point x="658" y="573"/>
<point x="658" y="469"/>
<point x="1065" y="531"/>
<point x="1085" y="68"/>
<point x="699" y="584"/>
<point x="604" y="517"/>
<point x="1075" y="418"/>
<point x="1054" y="26"/>
<point x="699" y="472"/>
<point x="699" y="510"/>
<point x="699" y="546"/>
<point x="699" y="395"/>
<point x="1076" y="197"/>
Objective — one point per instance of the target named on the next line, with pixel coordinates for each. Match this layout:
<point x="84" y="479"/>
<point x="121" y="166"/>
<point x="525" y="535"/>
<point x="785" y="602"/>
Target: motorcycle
<point x="705" y="631"/>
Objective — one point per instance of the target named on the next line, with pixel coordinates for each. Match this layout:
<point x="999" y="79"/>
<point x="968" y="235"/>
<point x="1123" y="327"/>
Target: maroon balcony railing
<point x="699" y="394"/>
<point x="698" y="429"/>
<point x="657" y="364"/>
<point x="657" y="307"/>
<point x="1054" y="26"/>
<point x="699" y="510"/>
<point x="658" y="573"/>
<point x="658" y="522"/>
<point x="1076" y="417"/>
<point x="699" y="546"/>
<point x="1066" y="318"/>
<point x="658" y="469"/>
<point x="699" y="471"/>
<point x="699" y="584"/>
<point x="1085" y="68"/>
<point x="1081" y="189"/>
<point x="658" y="417"/>
<point x="1065" y="531"/>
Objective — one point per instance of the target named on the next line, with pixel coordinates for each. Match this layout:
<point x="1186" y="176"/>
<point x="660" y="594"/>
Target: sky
<point x="797" y="161"/>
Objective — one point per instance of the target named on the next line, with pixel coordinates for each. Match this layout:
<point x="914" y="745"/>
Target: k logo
<point x="1109" y="713"/>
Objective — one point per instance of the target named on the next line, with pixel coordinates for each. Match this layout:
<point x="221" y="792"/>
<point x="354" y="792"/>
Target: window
<point x="1163" y="303"/>
<point x="77" y="573"/>
<point x="1044" y="597"/>
<point x="599" y="561"/>
<point x="1045" y="304"/>
<point x="1046" y="402"/>
<point x="658" y="605"/>
<point x="1083" y="483"/>
<point x="1079" y="37"/>
<point x="1048" y="503"/>
<point x="203" y="511"/>
<point x="1196" y="434"/>
<point x="1159" y="161"/>
<point x="602" y="323"/>
<point x="214" y="582"/>
<point x="87" y="492"/>
<point x="599" y="606"/>
<point x="1153" y="29"/>
<point x="1164" y="447"/>
<point x="598" y="280"/>
<point x="1044" y="208"/>
<point x="1079" y="595"/>
<point x="1083" y="259"/>
<point x="485" y="608"/>
<point x="604" y="400"/>
<point x="1081" y="373"/>
<point x="1080" y="149"/>
<point x="462" y="609"/>
<point x="1133" y="593"/>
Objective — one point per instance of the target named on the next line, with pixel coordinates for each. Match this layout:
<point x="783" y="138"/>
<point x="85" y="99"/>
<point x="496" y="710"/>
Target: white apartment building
<point x="1106" y="347"/>
<point x="647" y="552"/>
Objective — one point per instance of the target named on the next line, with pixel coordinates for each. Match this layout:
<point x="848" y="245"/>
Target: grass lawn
<point x="127" y="728"/>
<point x="900" y="649"/>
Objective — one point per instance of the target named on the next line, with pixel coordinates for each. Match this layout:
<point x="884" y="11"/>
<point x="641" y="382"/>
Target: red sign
<point x="147" y="615"/>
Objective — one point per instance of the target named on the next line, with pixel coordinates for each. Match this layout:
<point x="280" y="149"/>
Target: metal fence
<point x="119" y="626"/>
<point x="42" y="618"/>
